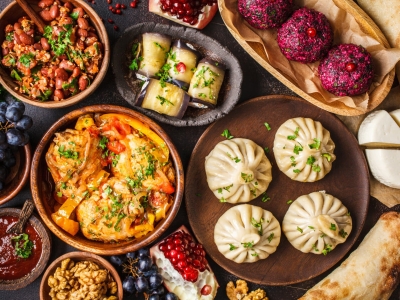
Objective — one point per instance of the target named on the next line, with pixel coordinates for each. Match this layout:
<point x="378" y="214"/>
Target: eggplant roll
<point x="183" y="60"/>
<point x="371" y="272"/>
<point x="164" y="98"/>
<point x="206" y="83"/>
<point x="155" y="48"/>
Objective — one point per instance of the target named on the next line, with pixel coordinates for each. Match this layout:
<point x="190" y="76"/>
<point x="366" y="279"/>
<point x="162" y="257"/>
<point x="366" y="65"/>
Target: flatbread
<point x="371" y="272"/>
<point x="385" y="13"/>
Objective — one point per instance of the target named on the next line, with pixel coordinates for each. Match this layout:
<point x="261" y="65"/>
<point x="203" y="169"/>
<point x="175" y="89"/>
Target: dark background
<point x="256" y="82"/>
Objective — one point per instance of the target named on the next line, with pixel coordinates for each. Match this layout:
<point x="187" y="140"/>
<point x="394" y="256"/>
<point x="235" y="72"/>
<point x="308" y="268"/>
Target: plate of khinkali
<point x="227" y="163"/>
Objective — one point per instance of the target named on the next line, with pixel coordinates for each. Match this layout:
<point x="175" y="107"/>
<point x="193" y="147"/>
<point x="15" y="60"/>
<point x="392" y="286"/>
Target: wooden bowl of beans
<point x="62" y="65"/>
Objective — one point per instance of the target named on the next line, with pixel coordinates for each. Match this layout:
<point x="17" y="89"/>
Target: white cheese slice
<point x="396" y="116"/>
<point x="385" y="165"/>
<point x="379" y="129"/>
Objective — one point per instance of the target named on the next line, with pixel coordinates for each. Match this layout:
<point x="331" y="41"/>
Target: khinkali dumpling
<point x="247" y="233"/>
<point x="317" y="223"/>
<point x="237" y="170"/>
<point x="303" y="149"/>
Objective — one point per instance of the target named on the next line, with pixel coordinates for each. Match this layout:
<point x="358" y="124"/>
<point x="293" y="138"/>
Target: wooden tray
<point x="256" y="51"/>
<point x="348" y="181"/>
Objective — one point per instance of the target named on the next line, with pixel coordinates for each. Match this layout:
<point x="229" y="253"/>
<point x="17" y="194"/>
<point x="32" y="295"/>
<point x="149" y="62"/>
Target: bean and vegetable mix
<point x="59" y="63"/>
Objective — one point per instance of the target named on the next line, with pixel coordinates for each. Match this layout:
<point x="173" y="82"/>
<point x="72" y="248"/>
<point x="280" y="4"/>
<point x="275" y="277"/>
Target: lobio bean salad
<point x="59" y="63"/>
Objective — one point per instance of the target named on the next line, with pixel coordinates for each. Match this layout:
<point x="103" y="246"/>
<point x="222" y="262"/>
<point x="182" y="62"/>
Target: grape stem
<point x="130" y="267"/>
<point x="6" y="126"/>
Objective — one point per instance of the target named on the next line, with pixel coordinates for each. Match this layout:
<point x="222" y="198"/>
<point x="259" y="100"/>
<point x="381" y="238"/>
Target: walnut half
<point x="240" y="292"/>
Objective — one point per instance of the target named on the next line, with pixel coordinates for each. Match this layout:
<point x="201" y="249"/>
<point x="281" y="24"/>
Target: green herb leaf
<point x="67" y="153"/>
<point x="343" y="233"/>
<point x="23" y="246"/>
<point x="297" y="171"/>
<point x="310" y="160"/>
<point x="297" y="149"/>
<point x="246" y="177"/>
<point x="299" y="229"/>
<point x="232" y="247"/>
<point x="227" y="134"/>
<point x="316" y="145"/>
<point x="316" y="168"/>
<point x="296" y="134"/>
<point x="26" y="59"/>
<point x="270" y="237"/>
<point x="248" y="245"/>
<point x="164" y="100"/>
<point x="74" y="15"/>
<point x="266" y="150"/>
<point x="327" y="249"/>
<point x="267" y="126"/>
<point x="327" y="156"/>
<point x="103" y="142"/>
<point x="289" y="202"/>
<point x="265" y="198"/>
<point x="333" y="227"/>
<point x="258" y="225"/>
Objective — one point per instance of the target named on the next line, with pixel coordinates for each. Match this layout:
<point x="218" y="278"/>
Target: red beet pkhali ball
<point x="306" y="36"/>
<point x="263" y="14"/>
<point x="347" y="70"/>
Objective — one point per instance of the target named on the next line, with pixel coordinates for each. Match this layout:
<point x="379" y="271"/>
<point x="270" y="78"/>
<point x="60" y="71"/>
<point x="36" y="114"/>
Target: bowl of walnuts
<point x="81" y="275"/>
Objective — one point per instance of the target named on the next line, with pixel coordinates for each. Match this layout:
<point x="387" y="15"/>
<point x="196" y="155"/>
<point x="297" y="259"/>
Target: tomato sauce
<point x="11" y="266"/>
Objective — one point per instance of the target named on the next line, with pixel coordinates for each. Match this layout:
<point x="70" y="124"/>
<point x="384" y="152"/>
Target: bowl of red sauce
<point x="23" y="257"/>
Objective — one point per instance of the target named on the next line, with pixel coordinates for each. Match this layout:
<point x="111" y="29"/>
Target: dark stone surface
<point x="256" y="82"/>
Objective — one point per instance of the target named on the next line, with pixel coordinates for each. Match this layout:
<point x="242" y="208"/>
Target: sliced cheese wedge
<point x="385" y="165"/>
<point x="379" y="129"/>
<point x="396" y="116"/>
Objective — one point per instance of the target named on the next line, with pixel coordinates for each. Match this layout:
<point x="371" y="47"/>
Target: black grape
<point x="2" y="154"/>
<point x="3" y="107"/>
<point x="13" y="114"/>
<point x="18" y="104"/>
<point x="24" y="123"/>
<point x="128" y="285"/>
<point x="15" y="137"/>
<point x="3" y="118"/>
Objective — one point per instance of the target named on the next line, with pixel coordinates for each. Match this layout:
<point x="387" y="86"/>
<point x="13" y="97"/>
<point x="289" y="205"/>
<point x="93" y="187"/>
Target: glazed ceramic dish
<point x="77" y="257"/>
<point x="42" y="185"/>
<point x="18" y="176"/>
<point x="45" y="237"/>
<point x="348" y="181"/>
<point x="12" y="13"/>
<point x="127" y="83"/>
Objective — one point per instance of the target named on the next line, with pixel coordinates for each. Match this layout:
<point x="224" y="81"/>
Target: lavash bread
<point x="371" y="272"/>
<point x="385" y="14"/>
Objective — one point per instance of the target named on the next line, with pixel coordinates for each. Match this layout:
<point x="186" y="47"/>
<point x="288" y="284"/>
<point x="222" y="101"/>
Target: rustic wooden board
<point x="348" y="181"/>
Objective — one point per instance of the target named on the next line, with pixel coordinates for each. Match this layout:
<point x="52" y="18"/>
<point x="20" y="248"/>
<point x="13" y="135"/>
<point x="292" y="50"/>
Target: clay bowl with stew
<point x="18" y="175"/>
<point x="77" y="257"/>
<point x="61" y="85"/>
<point x="45" y="192"/>
<point x="18" y="272"/>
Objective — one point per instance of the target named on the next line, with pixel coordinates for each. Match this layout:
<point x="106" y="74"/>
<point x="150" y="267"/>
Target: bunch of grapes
<point x="13" y="126"/>
<point x="142" y="275"/>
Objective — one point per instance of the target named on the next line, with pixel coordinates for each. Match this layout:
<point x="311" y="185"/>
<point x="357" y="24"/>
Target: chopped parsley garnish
<point x="270" y="237"/>
<point x="235" y="159"/>
<point x="103" y="142"/>
<point x="163" y="74"/>
<point x="297" y="149"/>
<point x="310" y="160"/>
<point x="61" y="44"/>
<point x="315" y="247"/>
<point x="293" y="160"/>
<point x="289" y="201"/>
<point x="327" y="156"/>
<point x="74" y="15"/>
<point x="164" y="100"/>
<point x="254" y="254"/>
<point x="26" y="59"/>
<point x="23" y="246"/>
<point x="222" y="200"/>
<point x="311" y="227"/>
<point x="232" y="247"/>
<point x="258" y="225"/>
<point x="253" y="192"/>
<point x="333" y="227"/>
<point x="267" y="126"/>
<point x="67" y="153"/>
<point x="246" y="177"/>
<point x="297" y="171"/>
<point x="15" y="75"/>
<point x="159" y="46"/>
<point x="316" y="145"/>
<point x="327" y="249"/>
<point x="266" y="150"/>
<point x="299" y="229"/>
<point x="227" y="134"/>
<point x="265" y="198"/>
<point x="59" y="194"/>
<point x="316" y="168"/>
<point x="296" y="134"/>
<point x="202" y="95"/>
<point x="343" y="233"/>
<point x="248" y="245"/>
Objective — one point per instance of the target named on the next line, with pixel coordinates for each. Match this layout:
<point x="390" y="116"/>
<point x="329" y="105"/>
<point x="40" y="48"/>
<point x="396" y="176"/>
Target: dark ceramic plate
<point x="208" y="47"/>
<point x="348" y="181"/>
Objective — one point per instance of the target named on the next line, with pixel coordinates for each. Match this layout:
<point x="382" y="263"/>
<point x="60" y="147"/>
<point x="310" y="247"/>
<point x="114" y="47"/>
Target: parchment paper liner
<point x="305" y="75"/>
<point x="387" y="195"/>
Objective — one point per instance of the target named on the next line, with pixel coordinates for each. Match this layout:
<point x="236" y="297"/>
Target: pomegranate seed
<point x="163" y="247"/>
<point x="118" y="5"/>
<point x="181" y="67"/>
<point x="133" y="4"/>
<point x="196" y="263"/>
<point x="110" y="7"/>
<point x="109" y="1"/>
<point x="182" y="264"/>
<point x="174" y="261"/>
<point x="311" y="32"/>
<point x="170" y="246"/>
<point x="123" y="6"/>
<point x="173" y="253"/>
<point x="113" y="10"/>
<point x="194" y="21"/>
<point x="110" y="21"/>
<point x="206" y="290"/>
<point x="180" y="256"/>
<point x="350" y="67"/>
<point x="177" y="241"/>
<point x="116" y="28"/>
<point x="118" y="12"/>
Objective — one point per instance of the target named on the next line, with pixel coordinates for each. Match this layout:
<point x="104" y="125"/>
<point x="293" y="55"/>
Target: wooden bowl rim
<point x="26" y="170"/>
<point x="102" y="248"/>
<point x="80" y="256"/>
<point x="102" y="32"/>
<point x="365" y="22"/>
<point x="44" y="257"/>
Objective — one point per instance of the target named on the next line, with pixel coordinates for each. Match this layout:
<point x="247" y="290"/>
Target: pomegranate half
<point x="182" y="264"/>
<point x="193" y="13"/>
